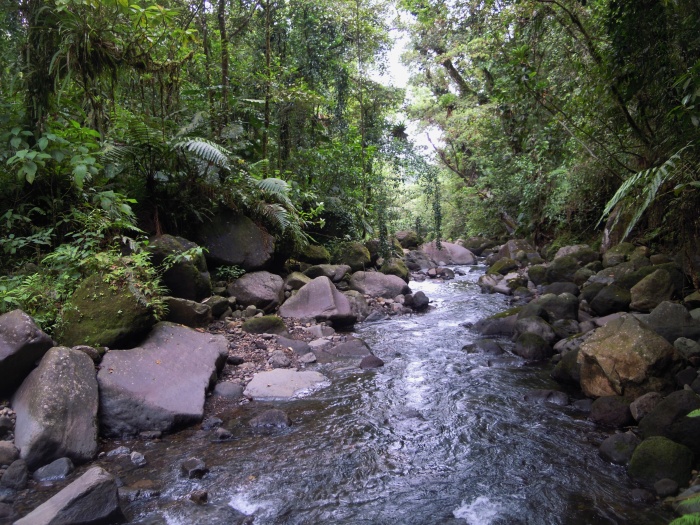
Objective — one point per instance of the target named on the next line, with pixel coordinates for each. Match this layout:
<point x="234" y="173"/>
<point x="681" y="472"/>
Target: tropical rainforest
<point x="548" y="119"/>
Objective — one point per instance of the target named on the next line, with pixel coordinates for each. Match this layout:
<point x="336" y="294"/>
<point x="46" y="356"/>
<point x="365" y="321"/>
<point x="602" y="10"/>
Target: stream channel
<point x="436" y="436"/>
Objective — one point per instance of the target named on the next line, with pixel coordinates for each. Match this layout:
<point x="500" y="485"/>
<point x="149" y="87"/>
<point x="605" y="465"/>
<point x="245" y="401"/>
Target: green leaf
<point x="79" y="174"/>
<point x="43" y="142"/>
<point x="15" y="142"/>
<point x="694" y="413"/>
<point x="29" y="170"/>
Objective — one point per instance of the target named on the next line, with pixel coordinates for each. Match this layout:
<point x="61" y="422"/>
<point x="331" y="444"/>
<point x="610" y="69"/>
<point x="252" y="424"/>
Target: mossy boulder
<point x="562" y="269"/>
<point x="611" y="299"/>
<point x="503" y="266"/>
<point x="651" y="291"/>
<point x="618" y="254"/>
<point x="267" y="324"/>
<point x="537" y="274"/>
<point x="104" y="314"/>
<point x="408" y="239"/>
<point x="657" y="458"/>
<point x="188" y="278"/>
<point x="354" y="254"/>
<point x="532" y="347"/>
<point x="395" y="267"/>
<point x="314" y="254"/>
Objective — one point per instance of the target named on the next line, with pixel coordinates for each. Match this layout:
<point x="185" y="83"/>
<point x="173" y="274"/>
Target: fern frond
<point x="275" y="214"/>
<point x="206" y="150"/>
<point x="196" y="122"/>
<point x="275" y="187"/>
<point x="688" y="519"/>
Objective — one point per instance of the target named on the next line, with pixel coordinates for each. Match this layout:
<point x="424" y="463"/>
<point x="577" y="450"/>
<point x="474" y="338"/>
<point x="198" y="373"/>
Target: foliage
<point x="229" y="273"/>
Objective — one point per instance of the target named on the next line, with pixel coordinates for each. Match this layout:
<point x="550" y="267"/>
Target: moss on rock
<point x="268" y="324"/>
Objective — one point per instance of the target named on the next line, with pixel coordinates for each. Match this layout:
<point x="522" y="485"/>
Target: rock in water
<point x="92" y="498"/>
<point x="56" y="409"/>
<point x="160" y="385"/>
<point x="319" y="300"/>
<point x="625" y="357"/>
<point x="22" y="344"/>
<point x="376" y="284"/>
<point x="283" y="383"/>
<point x="449" y="253"/>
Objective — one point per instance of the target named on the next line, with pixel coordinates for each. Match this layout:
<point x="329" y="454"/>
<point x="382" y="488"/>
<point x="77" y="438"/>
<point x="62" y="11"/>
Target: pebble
<point x="138" y="459"/>
<point x="193" y="468"/>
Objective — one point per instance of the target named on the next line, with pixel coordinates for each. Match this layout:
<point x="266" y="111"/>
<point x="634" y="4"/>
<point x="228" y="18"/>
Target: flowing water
<point x="436" y="436"/>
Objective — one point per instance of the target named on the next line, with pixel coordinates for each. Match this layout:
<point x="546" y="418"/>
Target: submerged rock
<point x="283" y="383"/>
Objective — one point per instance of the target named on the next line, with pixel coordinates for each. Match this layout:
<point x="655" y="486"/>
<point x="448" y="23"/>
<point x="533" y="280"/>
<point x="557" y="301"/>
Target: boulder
<point x="15" y="477"/>
<point x="537" y="273"/>
<point x="8" y="452"/>
<point x="419" y="301"/>
<point x="562" y="269"/>
<point x="611" y="411"/>
<point x="283" y="383"/>
<point x="296" y="280"/>
<point x="618" y="254"/>
<point x="564" y="306"/>
<point x="503" y="266"/>
<point x="651" y="291"/>
<point x="267" y="324"/>
<point x="160" y="385"/>
<point x="264" y="290"/>
<point x="22" y="344"/>
<point x="358" y="305"/>
<point x="567" y="370"/>
<point x="619" y="448"/>
<point x="187" y="312"/>
<point x="218" y="305"/>
<point x="449" y="253"/>
<point x="669" y="419"/>
<point x="408" y="239"/>
<point x="610" y="299"/>
<point x="58" y="469"/>
<point x="672" y="320"/>
<point x="376" y="284"/>
<point x="560" y="288"/>
<point x="354" y="254"/>
<point x="644" y="404"/>
<point x="564" y="328"/>
<point x="92" y="498"/>
<point x="335" y="272"/>
<point x="497" y="325"/>
<point x="625" y="357"/>
<point x="320" y="300"/>
<point x="657" y="458"/>
<point x="102" y="314"/>
<point x="532" y="347"/>
<point x="235" y="240"/>
<point x="513" y="246"/>
<point x="350" y="348"/>
<point x="582" y="275"/>
<point x="582" y="253"/>
<point x="552" y="397"/>
<point x="396" y="267"/>
<point x="314" y="254"/>
<point x="489" y="283"/>
<point x="534" y="325"/>
<point x="56" y="409"/>
<point x="371" y="361"/>
<point x="187" y="277"/>
<point x="417" y="260"/>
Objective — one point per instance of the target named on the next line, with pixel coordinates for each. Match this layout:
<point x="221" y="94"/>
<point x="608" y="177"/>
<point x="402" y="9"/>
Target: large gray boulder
<point x="417" y="260"/>
<point x="319" y="300"/>
<point x="672" y="320"/>
<point x="449" y="253"/>
<point x="583" y="253"/>
<point x="22" y="344"/>
<point x="625" y="357"/>
<point x="265" y="290"/>
<point x="236" y="240"/>
<point x="160" y="385"/>
<point x="92" y="498"/>
<point x="562" y="269"/>
<point x="557" y="307"/>
<point x="651" y="291"/>
<point x="669" y="418"/>
<point x="408" y="239"/>
<point x="187" y="277"/>
<point x="56" y="409"/>
<point x="517" y="249"/>
<point x="376" y="284"/>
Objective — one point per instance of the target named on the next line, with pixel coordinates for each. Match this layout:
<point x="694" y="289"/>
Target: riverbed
<point x="436" y="436"/>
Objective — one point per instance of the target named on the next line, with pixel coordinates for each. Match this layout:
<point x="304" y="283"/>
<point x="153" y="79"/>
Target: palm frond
<point x="643" y="186"/>
<point x="274" y="213"/>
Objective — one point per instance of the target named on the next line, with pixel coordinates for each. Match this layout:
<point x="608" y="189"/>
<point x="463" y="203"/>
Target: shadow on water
<point x="435" y="436"/>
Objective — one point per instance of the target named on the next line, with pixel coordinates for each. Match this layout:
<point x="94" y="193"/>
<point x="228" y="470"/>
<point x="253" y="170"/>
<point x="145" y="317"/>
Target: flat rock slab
<point x="160" y="385"/>
<point x="283" y="383"/>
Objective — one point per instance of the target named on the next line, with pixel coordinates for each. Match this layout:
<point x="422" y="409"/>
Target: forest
<point x="122" y="119"/>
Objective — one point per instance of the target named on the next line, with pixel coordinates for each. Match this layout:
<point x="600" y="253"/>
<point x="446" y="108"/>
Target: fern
<point x="688" y="519"/>
<point x="206" y="150"/>
<point x="647" y="183"/>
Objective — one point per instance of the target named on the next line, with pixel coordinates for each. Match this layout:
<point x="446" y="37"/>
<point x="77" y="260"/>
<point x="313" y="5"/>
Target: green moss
<point x="268" y="324"/>
<point x="395" y="267"/>
<point x="502" y="266"/>
<point x="507" y="313"/>
<point x="103" y="314"/>
<point x="658" y="457"/>
<point x="354" y="254"/>
<point x="314" y="254"/>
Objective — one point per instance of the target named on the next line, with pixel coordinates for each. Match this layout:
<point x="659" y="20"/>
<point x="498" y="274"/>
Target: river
<point x="436" y="436"/>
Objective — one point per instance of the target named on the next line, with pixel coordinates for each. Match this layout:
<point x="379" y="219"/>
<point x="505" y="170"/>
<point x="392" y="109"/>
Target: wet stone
<point x="371" y="361"/>
<point x="211" y="423"/>
<point x="138" y="459"/>
<point x="642" y="496"/>
<point x="273" y="418"/>
<point x="665" y="487"/>
<point x="221" y="434"/>
<point x="200" y="497"/>
<point x="150" y="434"/>
<point x="56" y="470"/>
<point x="16" y="476"/>
<point x="234" y="360"/>
<point x="193" y="468"/>
<point x="119" y="451"/>
<point x="229" y="390"/>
